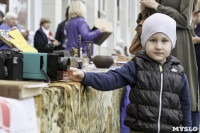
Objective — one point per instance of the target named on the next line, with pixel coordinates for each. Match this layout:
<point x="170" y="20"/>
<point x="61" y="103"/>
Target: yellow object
<point x="19" y="41"/>
<point x="160" y="68"/>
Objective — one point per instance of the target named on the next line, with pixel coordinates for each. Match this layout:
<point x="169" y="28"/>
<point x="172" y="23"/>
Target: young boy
<point x="159" y="98"/>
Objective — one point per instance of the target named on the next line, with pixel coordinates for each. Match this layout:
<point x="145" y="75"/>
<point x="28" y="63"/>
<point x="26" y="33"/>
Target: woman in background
<point x="10" y="24"/>
<point x="60" y="34"/>
<point x="43" y="36"/>
<point x="78" y="26"/>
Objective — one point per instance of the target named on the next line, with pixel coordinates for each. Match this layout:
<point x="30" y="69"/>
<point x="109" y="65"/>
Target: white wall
<point x="112" y="17"/>
<point x="34" y="14"/>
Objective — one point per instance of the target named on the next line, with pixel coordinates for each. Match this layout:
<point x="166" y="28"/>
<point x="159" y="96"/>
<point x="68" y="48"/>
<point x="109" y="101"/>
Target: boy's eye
<point x="164" y="40"/>
<point x="152" y="40"/>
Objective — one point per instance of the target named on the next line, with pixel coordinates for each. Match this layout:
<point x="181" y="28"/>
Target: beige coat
<point x="181" y="11"/>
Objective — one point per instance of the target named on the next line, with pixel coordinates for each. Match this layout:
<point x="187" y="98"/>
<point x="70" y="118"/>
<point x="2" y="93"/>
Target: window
<point x="103" y="5"/>
<point x="20" y="8"/>
<point x="101" y="8"/>
<point x="129" y="12"/>
<point x="6" y="2"/>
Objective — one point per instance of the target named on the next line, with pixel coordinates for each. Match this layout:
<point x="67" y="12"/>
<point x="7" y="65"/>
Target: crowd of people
<point x="67" y="33"/>
<point x="164" y="76"/>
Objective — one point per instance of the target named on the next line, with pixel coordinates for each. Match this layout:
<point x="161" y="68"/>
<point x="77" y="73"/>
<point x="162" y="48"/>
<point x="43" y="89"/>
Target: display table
<point x="69" y="107"/>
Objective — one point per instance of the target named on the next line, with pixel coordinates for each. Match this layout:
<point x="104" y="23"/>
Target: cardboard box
<point x="99" y="23"/>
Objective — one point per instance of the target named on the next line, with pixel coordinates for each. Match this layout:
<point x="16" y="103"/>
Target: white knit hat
<point x="159" y="22"/>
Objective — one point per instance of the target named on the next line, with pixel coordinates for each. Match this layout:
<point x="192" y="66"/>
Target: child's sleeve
<point x="113" y="79"/>
<point x="185" y="103"/>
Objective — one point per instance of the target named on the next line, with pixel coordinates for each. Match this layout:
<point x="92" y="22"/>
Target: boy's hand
<point x="74" y="74"/>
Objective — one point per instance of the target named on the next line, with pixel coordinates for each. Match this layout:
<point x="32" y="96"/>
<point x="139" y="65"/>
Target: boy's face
<point x="158" y="47"/>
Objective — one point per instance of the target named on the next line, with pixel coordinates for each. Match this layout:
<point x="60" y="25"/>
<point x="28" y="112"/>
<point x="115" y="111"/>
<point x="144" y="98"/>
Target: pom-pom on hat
<point x="159" y="22"/>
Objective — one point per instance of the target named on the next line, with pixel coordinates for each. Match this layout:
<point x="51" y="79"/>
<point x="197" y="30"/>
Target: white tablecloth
<point x="17" y="116"/>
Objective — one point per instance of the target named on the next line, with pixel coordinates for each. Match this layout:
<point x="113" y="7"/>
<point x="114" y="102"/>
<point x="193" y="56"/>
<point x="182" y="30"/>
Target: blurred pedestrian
<point x="43" y="37"/>
<point x="78" y="26"/>
<point x="1" y="17"/>
<point x="10" y="23"/>
<point x="60" y="35"/>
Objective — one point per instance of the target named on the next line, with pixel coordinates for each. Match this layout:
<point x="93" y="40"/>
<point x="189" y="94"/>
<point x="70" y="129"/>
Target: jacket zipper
<point x="161" y="89"/>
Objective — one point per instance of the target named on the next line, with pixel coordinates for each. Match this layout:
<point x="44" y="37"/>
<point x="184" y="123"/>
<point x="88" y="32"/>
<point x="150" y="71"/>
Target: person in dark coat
<point x="159" y="97"/>
<point x="1" y="17"/>
<point x="78" y="26"/>
<point x="195" y="25"/>
<point x="60" y="35"/>
<point x="43" y="36"/>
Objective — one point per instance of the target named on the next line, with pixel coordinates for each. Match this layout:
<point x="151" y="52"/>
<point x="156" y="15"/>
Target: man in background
<point x="60" y="35"/>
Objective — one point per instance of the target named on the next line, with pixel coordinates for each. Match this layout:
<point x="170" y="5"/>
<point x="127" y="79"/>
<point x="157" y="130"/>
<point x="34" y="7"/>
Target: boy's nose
<point x="158" y="45"/>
